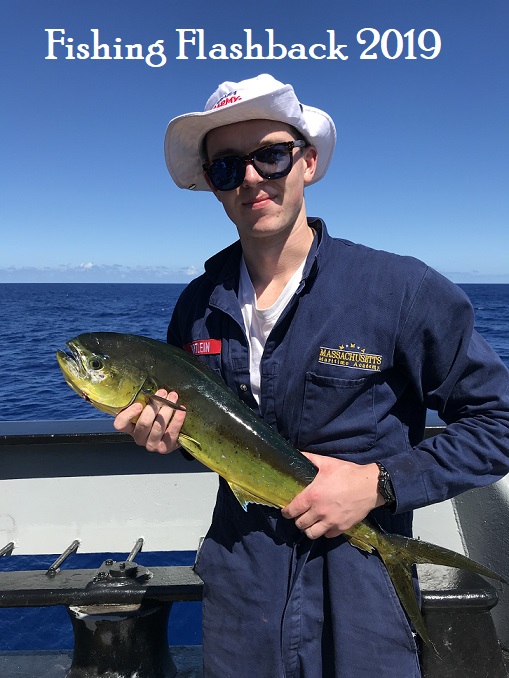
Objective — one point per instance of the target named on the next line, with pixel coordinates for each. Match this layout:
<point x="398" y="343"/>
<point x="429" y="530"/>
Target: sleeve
<point x="173" y="335"/>
<point x="458" y="375"/>
<point x="186" y="302"/>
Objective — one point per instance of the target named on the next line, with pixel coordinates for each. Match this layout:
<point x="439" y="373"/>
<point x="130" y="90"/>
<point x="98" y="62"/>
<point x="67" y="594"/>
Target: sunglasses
<point x="271" y="162"/>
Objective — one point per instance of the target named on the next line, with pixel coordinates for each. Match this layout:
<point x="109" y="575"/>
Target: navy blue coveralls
<point x="368" y="342"/>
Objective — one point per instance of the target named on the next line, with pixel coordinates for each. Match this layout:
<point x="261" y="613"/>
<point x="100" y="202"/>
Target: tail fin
<point x="400" y="553"/>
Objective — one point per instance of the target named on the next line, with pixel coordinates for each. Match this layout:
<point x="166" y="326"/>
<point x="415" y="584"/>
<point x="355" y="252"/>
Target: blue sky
<point x="420" y="168"/>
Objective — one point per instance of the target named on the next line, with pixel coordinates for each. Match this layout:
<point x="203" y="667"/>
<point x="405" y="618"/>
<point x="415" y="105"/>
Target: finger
<point x="144" y="422"/>
<point x="292" y="510"/>
<point x="320" y="528"/>
<point x="124" y="419"/>
<point x="158" y="416"/>
<point x="305" y="522"/>
<point x="333" y="532"/>
<point x="316" y="531"/>
<point x="169" y="440"/>
<point x="311" y="525"/>
<point x="313" y="532"/>
<point x="166" y="428"/>
<point x="297" y="507"/>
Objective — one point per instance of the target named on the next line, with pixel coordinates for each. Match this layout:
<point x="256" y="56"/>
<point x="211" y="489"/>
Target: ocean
<point x="38" y="318"/>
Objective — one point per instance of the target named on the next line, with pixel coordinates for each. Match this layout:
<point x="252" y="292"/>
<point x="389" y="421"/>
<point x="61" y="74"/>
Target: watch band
<point x="385" y="486"/>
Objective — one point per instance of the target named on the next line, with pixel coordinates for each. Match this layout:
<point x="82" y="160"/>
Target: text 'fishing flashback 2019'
<point x="192" y="43"/>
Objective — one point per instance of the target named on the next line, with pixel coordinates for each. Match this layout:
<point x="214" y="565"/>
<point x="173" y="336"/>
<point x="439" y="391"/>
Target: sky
<point x="420" y="167"/>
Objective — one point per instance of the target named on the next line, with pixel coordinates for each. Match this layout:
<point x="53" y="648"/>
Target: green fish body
<point x="112" y="371"/>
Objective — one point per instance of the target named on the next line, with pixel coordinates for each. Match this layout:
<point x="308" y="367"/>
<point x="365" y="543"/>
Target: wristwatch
<point x="385" y="486"/>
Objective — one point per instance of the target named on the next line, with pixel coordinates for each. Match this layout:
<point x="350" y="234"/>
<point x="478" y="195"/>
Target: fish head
<point x="98" y="368"/>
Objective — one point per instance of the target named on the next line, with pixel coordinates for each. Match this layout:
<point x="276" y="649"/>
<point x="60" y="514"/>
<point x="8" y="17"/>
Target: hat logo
<point x="230" y="98"/>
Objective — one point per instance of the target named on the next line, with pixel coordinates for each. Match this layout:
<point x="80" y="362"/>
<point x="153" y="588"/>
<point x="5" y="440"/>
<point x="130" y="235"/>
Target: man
<point x="341" y="348"/>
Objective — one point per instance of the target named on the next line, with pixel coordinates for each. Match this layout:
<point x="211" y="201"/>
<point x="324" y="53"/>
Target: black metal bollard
<point x="113" y="641"/>
<point x="456" y="608"/>
<point x="119" y="612"/>
<point x="124" y="639"/>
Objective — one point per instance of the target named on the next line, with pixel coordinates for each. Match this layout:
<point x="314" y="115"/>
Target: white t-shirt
<point x="259" y="323"/>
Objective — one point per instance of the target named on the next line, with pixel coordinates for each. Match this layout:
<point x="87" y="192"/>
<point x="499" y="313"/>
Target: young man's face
<point x="262" y="207"/>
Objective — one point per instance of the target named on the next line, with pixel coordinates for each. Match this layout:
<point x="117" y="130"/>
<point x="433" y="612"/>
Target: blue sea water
<point x="38" y="318"/>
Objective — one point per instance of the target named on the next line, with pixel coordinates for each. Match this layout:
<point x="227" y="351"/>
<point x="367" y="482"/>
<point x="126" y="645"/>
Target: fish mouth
<point x="73" y="368"/>
<point x="71" y="361"/>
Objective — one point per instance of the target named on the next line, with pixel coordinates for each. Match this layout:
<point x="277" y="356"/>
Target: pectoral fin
<point x="190" y="444"/>
<point x="164" y="401"/>
<point x="245" y="497"/>
<point x="362" y="545"/>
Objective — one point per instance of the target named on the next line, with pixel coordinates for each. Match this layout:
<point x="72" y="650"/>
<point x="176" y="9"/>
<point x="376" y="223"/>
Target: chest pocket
<point x="337" y="414"/>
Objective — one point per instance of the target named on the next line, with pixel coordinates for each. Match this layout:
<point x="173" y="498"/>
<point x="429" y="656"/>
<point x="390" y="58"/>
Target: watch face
<point x="388" y="495"/>
<point x="385" y="485"/>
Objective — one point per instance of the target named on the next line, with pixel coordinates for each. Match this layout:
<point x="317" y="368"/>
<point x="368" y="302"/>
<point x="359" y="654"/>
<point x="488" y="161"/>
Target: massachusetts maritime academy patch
<point x="350" y="355"/>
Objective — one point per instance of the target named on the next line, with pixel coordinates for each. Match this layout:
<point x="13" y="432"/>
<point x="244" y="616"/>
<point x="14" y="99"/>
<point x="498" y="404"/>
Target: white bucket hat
<point x="262" y="97"/>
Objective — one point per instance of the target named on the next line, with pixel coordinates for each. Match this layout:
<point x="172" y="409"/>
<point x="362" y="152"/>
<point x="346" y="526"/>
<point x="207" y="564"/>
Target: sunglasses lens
<point x="227" y="173"/>
<point x="273" y="161"/>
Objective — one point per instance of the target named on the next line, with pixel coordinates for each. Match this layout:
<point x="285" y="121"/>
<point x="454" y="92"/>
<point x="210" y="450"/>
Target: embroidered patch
<point x="204" y="347"/>
<point x="350" y="355"/>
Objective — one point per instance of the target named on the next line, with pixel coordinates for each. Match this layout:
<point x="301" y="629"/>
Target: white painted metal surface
<point x="106" y="513"/>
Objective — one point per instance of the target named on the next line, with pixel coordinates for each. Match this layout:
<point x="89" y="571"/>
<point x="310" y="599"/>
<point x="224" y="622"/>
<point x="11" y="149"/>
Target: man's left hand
<point x="341" y="495"/>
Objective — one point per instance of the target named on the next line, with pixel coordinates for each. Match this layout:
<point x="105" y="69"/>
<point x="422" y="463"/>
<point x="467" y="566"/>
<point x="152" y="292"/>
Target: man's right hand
<point x="157" y="425"/>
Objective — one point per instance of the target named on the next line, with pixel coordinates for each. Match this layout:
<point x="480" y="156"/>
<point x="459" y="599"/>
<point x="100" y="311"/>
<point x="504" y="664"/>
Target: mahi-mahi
<point x="112" y="371"/>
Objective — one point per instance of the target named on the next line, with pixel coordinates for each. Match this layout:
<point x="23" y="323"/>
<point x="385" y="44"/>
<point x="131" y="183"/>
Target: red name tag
<point x="204" y="347"/>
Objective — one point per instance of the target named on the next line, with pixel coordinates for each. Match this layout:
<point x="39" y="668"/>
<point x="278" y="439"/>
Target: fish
<point x="112" y="371"/>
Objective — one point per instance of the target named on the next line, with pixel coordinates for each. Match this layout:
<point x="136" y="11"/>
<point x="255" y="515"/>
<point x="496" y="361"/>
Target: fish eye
<point x="95" y="363"/>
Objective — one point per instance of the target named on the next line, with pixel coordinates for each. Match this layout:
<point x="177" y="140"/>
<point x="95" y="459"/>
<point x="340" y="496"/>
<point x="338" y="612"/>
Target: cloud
<point x="90" y="272"/>
<point x="118" y="273"/>
<point x="476" y="277"/>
